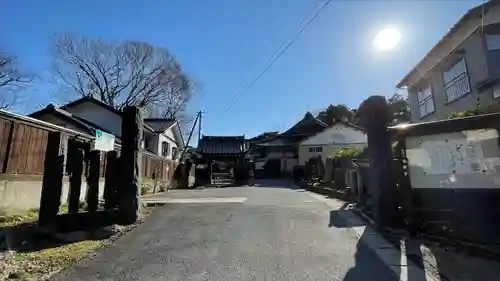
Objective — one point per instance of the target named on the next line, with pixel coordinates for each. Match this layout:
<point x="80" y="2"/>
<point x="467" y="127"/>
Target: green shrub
<point x="145" y="187"/>
<point x="347" y="152"/>
<point x="465" y="113"/>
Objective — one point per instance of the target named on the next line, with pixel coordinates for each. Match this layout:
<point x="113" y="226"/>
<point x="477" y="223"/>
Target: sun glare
<point x="387" y="39"/>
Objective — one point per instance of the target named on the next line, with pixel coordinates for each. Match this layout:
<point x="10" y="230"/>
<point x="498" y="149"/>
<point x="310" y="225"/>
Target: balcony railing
<point x="457" y="87"/>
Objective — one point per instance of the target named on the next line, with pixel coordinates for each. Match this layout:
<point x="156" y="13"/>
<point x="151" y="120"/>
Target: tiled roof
<point x="307" y="126"/>
<point x="93" y="100"/>
<point x="222" y="145"/>
<point x="159" y="125"/>
<point x="285" y="140"/>
<point x="264" y="136"/>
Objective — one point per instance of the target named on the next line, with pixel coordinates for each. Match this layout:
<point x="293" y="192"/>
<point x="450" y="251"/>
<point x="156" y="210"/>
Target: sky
<point x="224" y="44"/>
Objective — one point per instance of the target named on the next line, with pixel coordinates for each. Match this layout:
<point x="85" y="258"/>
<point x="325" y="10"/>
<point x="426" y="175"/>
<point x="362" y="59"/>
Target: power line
<point x="275" y="55"/>
<point x="275" y="58"/>
<point x="273" y="19"/>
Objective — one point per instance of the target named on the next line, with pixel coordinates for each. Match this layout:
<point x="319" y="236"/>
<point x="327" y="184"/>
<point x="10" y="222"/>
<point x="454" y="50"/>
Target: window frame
<point x="496" y="37"/>
<point x="424" y="100"/>
<point x="174" y="153"/>
<point x="316" y="149"/>
<point x="452" y="81"/>
<point x="165" y="148"/>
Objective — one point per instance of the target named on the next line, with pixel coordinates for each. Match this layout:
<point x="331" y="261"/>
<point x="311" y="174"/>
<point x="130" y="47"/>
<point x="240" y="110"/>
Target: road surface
<point x="269" y="232"/>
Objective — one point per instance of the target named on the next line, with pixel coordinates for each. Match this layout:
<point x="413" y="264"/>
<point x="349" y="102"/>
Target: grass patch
<point x="29" y="215"/>
<point x="36" y="265"/>
<point x="43" y="257"/>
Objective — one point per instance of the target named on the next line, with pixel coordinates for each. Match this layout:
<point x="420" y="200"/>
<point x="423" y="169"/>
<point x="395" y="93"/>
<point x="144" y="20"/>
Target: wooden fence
<point x="23" y="141"/>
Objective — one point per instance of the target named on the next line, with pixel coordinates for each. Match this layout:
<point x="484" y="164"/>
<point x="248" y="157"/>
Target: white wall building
<point x="162" y="137"/>
<point x="326" y="142"/>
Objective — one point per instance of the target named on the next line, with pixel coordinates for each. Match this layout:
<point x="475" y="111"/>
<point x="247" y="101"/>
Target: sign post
<point x="104" y="141"/>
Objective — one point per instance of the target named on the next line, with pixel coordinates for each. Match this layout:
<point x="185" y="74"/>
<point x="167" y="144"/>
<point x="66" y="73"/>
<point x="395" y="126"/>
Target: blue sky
<point x="222" y="44"/>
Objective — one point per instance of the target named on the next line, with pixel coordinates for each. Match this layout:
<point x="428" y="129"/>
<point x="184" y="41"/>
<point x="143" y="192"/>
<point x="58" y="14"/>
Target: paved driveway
<point x="268" y="232"/>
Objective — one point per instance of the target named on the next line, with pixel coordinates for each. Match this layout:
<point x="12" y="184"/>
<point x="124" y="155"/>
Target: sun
<point x="387" y="39"/>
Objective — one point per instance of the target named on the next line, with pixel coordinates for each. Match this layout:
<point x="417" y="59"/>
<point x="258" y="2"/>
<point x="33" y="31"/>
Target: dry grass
<point x="28" y="216"/>
<point x="41" y="264"/>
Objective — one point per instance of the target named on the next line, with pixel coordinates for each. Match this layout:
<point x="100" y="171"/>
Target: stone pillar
<point x="130" y="163"/>
<point x="376" y="115"/>
<point x="93" y="180"/>
<point x="50" y="200"/>
<point x="75" y="178"/>
<point x="110" y="183"/>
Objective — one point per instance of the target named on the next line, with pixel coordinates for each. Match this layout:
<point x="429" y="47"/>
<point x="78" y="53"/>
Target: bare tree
<point x="127" y="73"/>
<point x="12" y="80"/>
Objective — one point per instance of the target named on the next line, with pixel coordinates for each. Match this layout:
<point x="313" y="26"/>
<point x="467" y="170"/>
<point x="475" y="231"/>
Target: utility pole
<point x="198" y="116"/>
<point x="199" y="125"/>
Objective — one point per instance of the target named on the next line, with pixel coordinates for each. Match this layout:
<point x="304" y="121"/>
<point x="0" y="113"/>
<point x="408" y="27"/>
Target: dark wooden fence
<point x="23" y="141"/>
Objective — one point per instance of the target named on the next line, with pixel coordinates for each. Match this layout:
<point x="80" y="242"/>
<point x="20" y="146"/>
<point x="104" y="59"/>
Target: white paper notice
<point x="453" y="156"/>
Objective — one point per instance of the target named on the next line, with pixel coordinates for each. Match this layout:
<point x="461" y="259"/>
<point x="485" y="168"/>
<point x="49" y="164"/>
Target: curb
<point x="395" y="259"/>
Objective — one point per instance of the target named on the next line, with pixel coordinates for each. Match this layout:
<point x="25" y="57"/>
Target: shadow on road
<point x="368" y="264"/>
<point x="275" y="183"/>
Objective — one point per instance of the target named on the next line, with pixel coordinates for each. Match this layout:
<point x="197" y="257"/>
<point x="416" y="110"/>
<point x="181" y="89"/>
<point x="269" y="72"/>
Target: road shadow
<point x="275" y="183"/>
<point x="370" y="249"/>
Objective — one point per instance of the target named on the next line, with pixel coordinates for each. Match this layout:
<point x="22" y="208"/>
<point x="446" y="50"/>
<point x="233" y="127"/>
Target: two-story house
<point x="161" y="137"/>
<point x="461" y="71"/>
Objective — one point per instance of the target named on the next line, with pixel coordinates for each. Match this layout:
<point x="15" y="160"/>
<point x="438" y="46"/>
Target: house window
<point x="493" y="41"/>
<point x="425" y="102"/>
<point x="165" y="151"/>
<point x="456" y="81"/>
<point x="147" y="144"/>
<point x="174" y="153"/>
<point x="316" y="149"/>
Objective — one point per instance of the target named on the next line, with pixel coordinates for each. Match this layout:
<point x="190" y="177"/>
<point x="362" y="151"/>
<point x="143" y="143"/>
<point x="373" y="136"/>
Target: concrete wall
<point x="455" y="181"/>
<point x="19" y="193"/>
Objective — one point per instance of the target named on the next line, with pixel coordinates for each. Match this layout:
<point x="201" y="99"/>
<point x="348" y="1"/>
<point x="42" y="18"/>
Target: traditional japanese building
<point x="222" y="160"/>
<point x="278" y="155"/>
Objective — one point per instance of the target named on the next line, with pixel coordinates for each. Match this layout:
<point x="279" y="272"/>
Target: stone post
<point x="376" y="115"/>
<point x="75" y="178"/>
<point x="111" y="181"/>
<point x="93" y="180"/>
<point x="130" y="163"/>
<point x="50" y="200"/>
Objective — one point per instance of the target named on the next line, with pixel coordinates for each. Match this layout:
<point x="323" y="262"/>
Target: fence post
<point x="75" y="168"/>
<point x="110" y="177"/>
<point x="8" y="147"/>
<point x="375" y="115"/>
<point x="50" y="200"/>
<point x="132" y="126"/>
<point x="93" y="180"/>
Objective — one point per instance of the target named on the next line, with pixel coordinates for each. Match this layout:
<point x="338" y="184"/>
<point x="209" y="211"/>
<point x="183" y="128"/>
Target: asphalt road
<point x="270" y="232"/>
